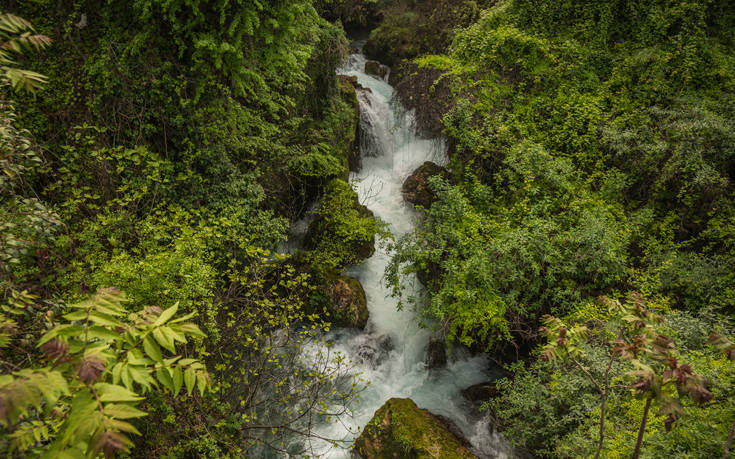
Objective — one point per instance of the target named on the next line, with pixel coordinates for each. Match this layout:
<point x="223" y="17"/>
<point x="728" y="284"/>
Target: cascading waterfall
<point x="390" y="353"/>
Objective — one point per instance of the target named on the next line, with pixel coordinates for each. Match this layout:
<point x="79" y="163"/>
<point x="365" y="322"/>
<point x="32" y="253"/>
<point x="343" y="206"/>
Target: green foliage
<point x="541" y="245"/>
<point x="343" y="231"/>
<point x="566" y="402"/>
<point x="17" y="36"/>
<point x="100" y="358"/>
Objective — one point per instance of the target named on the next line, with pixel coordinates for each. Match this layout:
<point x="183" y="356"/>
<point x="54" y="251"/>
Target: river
<point x="391" y="351"/>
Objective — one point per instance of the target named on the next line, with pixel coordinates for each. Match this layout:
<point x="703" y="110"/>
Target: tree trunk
<point x="602" y="424"/>
<point x="726" y="454"/>
<point x="642" y="430"/>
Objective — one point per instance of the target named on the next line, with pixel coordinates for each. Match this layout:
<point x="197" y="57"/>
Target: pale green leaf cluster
<point x="102" y="360"/>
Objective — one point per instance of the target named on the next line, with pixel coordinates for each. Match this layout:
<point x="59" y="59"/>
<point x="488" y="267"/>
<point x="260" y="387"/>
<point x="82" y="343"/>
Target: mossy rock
<point x="400" y="429"/>
<point x="349" y="145"/>
<point x="376" y="69"/>
<point x="343" y="232"/>
<point x="347" y="303"/>
<point x="337" y="299"/>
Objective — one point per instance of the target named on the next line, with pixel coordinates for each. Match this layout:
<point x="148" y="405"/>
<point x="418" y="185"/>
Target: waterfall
<point x="390" y="353"/>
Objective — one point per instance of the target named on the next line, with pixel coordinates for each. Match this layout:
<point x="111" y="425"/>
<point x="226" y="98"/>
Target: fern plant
<point x="100" y="361"/>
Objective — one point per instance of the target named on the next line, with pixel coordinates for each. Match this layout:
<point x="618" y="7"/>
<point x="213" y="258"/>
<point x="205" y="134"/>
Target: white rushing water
<point x="391" y="352"/>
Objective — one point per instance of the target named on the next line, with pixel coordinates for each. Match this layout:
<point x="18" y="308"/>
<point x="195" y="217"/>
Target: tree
<point x="658" y="371"/>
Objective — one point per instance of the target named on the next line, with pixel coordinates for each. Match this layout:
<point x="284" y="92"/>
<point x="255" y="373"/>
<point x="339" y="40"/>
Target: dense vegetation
<point x="153" y="154"/>
<point x="592" y="151"/>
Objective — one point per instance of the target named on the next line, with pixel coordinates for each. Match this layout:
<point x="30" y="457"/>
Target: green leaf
<point x="115" y="393"/>
<point x="151" y="348"/>
<point x="189" y="379"/>
<point x="103" y="333"/>
<point x="178" y="378"/>
<point x="165" y="378"/>
<point x="121" y="411"/>
<point x="165" y="315"/>
<point x="104" y="319"/>
<point x="117" y="372"/>
<point x="76" y="315"/>
<point x="163" y="339"/>
<point x="121" y="426"/>
<point x="202" y="382"/>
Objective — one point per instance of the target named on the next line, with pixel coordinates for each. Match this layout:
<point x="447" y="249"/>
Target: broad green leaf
<point x="178" y="378"/>
<point x="76" y="315"/>
<point x="152" y="349"/>
<point x="182" y="318"/>
<point x="202" y="382"/>
<point x="163" y="339"/>
<point x="103" y="333"/>
<point x="165" y="378"/>
<point x="115" y="393"/>
<point x="104" y="319"/>
<point x="167" y="314"/>
<point x="122" y="411"/>
<point x="117" y="372"/>
<point x="121" y="426"/>
<point x="189" y="379"/>
<point x="142" y="376"/>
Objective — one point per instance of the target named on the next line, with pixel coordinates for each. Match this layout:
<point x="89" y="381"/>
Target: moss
<point x="343" y="232"/>
<point x="401" y="429"/>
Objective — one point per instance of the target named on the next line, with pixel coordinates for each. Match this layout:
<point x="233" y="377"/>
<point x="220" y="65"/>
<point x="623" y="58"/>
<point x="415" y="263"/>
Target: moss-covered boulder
<point x="376" y="69"/>
<point x="427" y="91"/>
<point x="347" y="303"/>
<point x="348" y="144"/>
<point x="337" y="299"/>
<point x="416" y="189"/>
<point x="343" y="231"/>
<point x="400" y="429"/>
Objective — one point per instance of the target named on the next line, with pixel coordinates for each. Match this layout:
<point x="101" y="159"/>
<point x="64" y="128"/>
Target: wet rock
<point x="436" y="354"/>
<point x="376" y="69"/>
<point x="400" y="429"/>
<point x="455" y="430"/>
<point x="375" y="351"/>
<point x="344" y="230"/>
<point x="350" y="145"/>
<point x="347" y="304"/>
<point x="416" y="189"/>
<point x="480" y="393"/>
<point x="426" y="91"/>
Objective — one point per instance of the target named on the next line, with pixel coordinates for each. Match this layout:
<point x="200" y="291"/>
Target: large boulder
<point x="400" y="429"/>
<point x="347" y="304"/>
<point x="337" y="299"/>
<point x="376" y="69"/>
<point x="343" y="230"/>
<point x="416" y="189"/>
<point x="427" y="91"/>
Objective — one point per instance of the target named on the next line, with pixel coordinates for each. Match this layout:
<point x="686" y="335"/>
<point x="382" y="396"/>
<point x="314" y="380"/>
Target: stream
<point x="391" y="351"/>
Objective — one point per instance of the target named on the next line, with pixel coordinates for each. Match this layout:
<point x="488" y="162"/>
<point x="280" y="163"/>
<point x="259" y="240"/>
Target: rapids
<point x="391" y="352"/>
